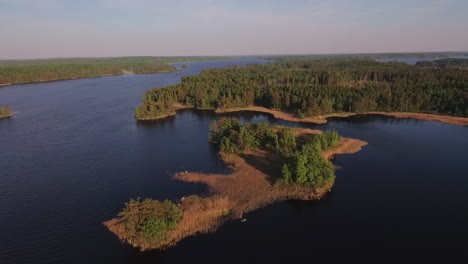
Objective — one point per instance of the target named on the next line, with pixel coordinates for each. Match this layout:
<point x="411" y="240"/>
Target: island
<point x="270" y="163"/>
<point x="311" y="90"/>
<point x="5" y="111"/>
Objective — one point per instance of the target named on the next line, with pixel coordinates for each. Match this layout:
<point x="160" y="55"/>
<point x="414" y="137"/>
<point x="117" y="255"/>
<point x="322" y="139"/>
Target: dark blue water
<point x="73" y="155"/>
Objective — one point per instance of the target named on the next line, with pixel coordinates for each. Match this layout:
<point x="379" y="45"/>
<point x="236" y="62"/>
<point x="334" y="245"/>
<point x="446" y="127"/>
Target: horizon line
<point x="237" y="55"/>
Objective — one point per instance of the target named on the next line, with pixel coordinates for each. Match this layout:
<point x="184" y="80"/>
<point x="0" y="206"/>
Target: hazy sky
<point x="65" y="28"/>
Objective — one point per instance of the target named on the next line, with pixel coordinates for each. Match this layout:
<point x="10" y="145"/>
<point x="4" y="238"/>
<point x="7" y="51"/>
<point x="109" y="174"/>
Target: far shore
<point x="58" y="80"/>
<point x="322" y="119"/>
<point x="250" y="187"/>
<point x="75" y="78"/>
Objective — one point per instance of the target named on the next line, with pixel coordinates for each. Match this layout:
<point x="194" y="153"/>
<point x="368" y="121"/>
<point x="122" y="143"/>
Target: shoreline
<point x="6" y="116"/>
<point x="322" y="119"/>
<point x="177" y="108"/>
<point x="251" y="186"/>
<point x="77" y="78"/>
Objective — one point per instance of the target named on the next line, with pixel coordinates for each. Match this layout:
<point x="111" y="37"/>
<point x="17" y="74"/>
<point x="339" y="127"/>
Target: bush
<point x="309" y="167"/>
<point x="287" y="141"/>
<point x="228" y="147"/>
<point x="150" y="218"/>
<point x="305" y="167"/>
<point x="233" y="137"/>
<point x="223" y="128"/>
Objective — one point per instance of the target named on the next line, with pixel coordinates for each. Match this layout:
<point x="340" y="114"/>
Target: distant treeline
<point x="445" y="63"/>
<point x="420" y="55"/>
<point x="313" y="87"/>
<point x="27" y="71"/>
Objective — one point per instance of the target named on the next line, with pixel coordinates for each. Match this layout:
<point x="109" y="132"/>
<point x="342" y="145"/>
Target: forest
<point x="303" y="164"/>
<point x="19" y="71"/>
<point x="308" y="87"/>
<point x="41" y="70"/>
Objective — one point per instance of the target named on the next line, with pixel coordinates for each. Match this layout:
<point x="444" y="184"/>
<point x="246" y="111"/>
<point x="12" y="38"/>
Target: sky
<point x="103" y="28"/>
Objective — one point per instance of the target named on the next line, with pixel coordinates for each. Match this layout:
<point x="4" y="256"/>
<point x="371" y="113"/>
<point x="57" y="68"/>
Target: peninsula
<point x="311" y="90"/>
<point x="271" y="164"/>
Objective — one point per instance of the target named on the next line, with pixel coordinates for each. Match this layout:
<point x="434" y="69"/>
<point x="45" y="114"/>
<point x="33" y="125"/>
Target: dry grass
<point x="199" y="215"/>
<point x="250" y="187"/>
<point x="345" y="146"/>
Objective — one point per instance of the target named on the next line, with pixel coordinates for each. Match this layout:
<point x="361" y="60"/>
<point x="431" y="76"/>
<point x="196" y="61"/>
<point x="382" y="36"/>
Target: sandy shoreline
<point x="322" y="119"/>
<point x="249" y="187"/>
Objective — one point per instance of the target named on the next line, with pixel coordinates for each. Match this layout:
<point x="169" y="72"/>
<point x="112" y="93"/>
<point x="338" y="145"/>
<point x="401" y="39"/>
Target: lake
<point x="73" y="155"/>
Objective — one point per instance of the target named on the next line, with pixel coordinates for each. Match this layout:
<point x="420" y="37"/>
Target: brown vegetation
<point x="250" y="187"/>
<point x="5" y="111"/>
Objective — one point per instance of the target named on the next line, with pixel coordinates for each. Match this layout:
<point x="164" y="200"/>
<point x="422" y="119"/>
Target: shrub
<point x="308" y="166"/>
<point x="150" y="218"/>
<point x="305" y="167"/>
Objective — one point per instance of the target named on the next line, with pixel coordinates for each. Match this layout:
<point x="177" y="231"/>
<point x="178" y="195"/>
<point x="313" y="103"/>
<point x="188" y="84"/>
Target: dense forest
<point x="5" y="111"/>
<point x="318" y="86"/>
<point x="445" y="63"/>
<point x="40" y="70"/>
<point x="302" y="164"/>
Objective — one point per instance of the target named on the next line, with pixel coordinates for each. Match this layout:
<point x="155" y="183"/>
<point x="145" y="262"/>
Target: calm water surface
<point x="73" y="155"/>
